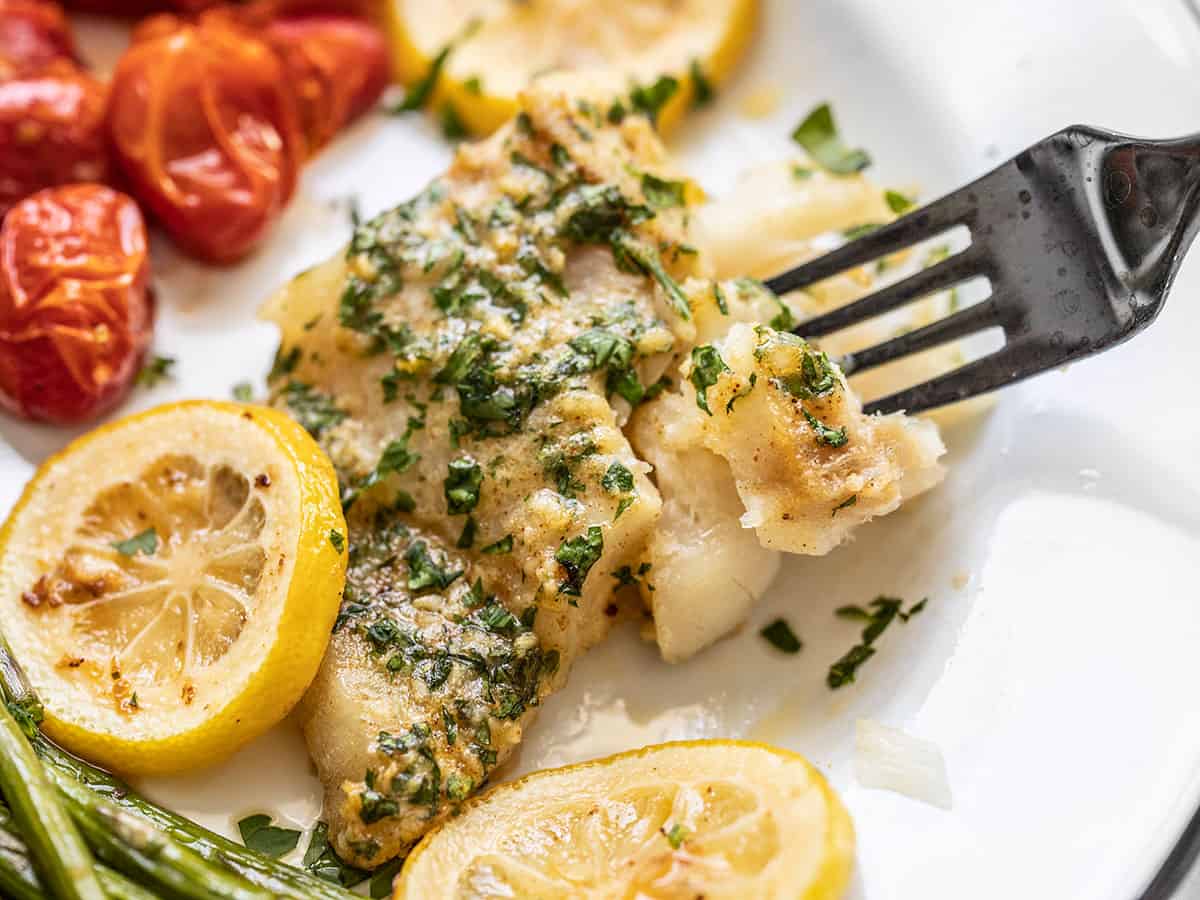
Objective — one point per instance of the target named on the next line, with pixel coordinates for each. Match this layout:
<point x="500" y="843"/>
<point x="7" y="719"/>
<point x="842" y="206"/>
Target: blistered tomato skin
<point x="338" y="67"/>
<point x="52" y="131"/>
<point x="203" y="127"/>
<point x="75" y="309"/>
<point x="33" y="34"/>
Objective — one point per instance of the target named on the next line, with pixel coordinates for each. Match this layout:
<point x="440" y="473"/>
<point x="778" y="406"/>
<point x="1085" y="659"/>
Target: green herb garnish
<point x="818" y="135"/>
<point x="259" y="834"/>
<point x="663" y="194"/>
<point x="702" y="89"/>
<point x="650" y="99"/>
<point x="879" y="614"/>
<point x="145" y="543"/>
<point x="158" y="369"/>
<point x="707" y="367"/>
<point x="676" y="836"/>
<point x="337" y="540"/>
<point x="617" y="480"/>
<point x="504" y="545"/>
<point x="834" y="437"/>
<point x="577" y="556"/>
<point x="461" y="486"/>
<point x="898" y="203"/>
<point x="779" y="635"/>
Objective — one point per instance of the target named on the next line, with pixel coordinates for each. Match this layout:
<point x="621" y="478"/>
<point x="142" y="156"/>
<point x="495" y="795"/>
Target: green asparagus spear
<point x="134" y="847"/>
<point x="19" y="881"/>
<point x="58" y="852"/>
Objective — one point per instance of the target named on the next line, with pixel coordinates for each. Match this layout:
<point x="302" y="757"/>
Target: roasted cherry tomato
<point x="203" y="126"/>
<point x="134" y="9"/>
<point x="52" y="131"/>
<point x="337" y="66"/>
<point x="75" y="309"/>
<point x="33" y="34"/>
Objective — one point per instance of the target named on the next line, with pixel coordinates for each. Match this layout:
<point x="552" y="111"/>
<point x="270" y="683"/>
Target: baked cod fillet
<point x="467" y="364"/>
<point x="471" y="364"/>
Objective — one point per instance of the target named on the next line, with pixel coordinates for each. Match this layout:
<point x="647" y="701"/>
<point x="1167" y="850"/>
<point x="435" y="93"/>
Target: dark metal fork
<point x="1080" y="237"/>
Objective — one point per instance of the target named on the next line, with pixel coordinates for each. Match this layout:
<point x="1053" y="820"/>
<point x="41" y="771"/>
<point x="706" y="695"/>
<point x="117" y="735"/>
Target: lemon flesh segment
<point x="718" y="819"/>
<point x="499" y="47"/>
<point x="169" y="584"/>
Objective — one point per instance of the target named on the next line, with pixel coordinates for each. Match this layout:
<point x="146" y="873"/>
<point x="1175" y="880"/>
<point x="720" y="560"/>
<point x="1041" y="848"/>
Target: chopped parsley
<point x="631" y="255"/>
<point x="145" y="543"/>
<point x="260" y="835"/>
<point x="337" y="540"/>
<point x="243" y="392"/>
<point x="320" y="860"/>
<point x="845" y="504"/>
<point x="702" y="89"/>
<point x="663" y="194"/>
<point x="453" y="127"/>
<point x="504" y="545"/>
<point x="707" y="367"/>
<point x="650" y="99"/>
<point x="426" y="573"/>
<point x="577" y="556"/>
<point x="719" y="296"/>
<point x="834" y="437"/>
<point x="676" y="836"/>
<point x="779" y="635"/>
<point x="879" y="614"/>
<point x="626" y="576"/>
<point x="461" y="486"/>
<point x="818" y="135"/>
<point x="466" y="540"/>
<point x="741" y="392"/>
<point x="898" y="203"/>
<point x="311" y="408"/>
<point x="603" y="349"/>
<point x="802" y="173"/>
<point x="420" y="91"/>
<point x="395" y="460"/>
<point x="155" y="371"/>
<point x="617" y="480"/>
<point x="285" y="362"/>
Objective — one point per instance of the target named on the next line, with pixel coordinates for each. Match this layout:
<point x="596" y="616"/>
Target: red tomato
<point x="32" y="35"/>
<point x="75" y="309"/>
<point x="337" y="66"/>
<point x="203" y="125"/>
<point x="51" y="132"/>
<point x="134" y="9"/>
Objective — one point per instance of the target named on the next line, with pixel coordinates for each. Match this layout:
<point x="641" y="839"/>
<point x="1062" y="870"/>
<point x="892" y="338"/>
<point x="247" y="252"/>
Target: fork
<point x="1080" y="237"/>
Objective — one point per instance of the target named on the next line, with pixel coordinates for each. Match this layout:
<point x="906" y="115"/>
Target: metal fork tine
<point x="943" y="275"/>
<point x="985" y="374"/>
<point x="917" y="226"/>
<point x="958" y="325"/>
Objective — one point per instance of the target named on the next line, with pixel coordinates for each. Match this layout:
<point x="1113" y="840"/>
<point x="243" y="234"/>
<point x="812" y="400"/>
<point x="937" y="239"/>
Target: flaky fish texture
<point x="475" y="364"/>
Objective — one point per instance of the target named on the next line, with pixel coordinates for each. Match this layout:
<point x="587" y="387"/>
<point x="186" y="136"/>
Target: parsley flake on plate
<point x="779" y="635"/>
<point x="819" y="137"/>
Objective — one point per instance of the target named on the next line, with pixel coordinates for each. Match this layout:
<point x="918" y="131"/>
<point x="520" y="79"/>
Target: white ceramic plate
<point x="1056" y="663"/>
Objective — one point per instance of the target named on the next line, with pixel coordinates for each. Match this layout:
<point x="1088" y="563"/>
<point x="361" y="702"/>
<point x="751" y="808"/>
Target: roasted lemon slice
<point x="494" y="48"/>
<point x="713" y="819"/>
<point x="170" y="581"/>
